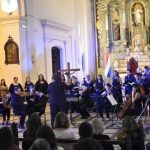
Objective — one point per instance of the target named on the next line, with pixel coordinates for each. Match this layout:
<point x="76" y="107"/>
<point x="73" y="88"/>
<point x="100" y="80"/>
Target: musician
<point x="89" y="82"/>
<point x="117" y="86"/>
<point x="103" y="102"/>
<point x="29" y="95"/>
<point x="5" y="102"/>
<point x="99" y="84"/>
<point x="75" y="81"/>
<point x="19" y="108"/>
<point x="41" y="85"/>
<point x="15" y="84"/>
<point x="63" y="78"/>
<point x="129" y="80"/>
<point x="40" y="103"/>
<point x="136" y="106"/>
<point x="56" y="90"/>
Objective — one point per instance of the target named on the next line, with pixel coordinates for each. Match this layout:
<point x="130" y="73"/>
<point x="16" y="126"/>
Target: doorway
<point x="55" y="59"/>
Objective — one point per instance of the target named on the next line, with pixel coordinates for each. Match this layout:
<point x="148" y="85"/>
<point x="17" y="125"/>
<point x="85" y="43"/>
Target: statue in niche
<point x="138" y="14"/>
<point x="115" y="25"/>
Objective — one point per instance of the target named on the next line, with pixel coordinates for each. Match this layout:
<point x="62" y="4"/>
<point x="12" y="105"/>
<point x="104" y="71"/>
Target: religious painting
<point x="11" y="52"/>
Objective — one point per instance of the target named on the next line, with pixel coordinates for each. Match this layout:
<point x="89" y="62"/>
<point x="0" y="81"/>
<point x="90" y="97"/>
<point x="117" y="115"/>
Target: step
<point x="136" y="56"/>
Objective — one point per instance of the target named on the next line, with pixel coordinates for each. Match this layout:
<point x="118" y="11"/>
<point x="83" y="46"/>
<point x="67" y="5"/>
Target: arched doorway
<point x="55" y="59"/>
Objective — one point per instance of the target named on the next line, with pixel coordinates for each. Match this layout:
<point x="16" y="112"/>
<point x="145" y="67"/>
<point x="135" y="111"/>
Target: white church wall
<point x="77" y="41"/>
<point x="9" y="27"/>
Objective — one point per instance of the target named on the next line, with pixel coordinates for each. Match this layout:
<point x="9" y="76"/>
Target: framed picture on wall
<point x="11" y="52"/>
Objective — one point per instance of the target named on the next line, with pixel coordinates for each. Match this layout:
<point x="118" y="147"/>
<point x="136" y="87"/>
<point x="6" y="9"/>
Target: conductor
<point x="56" y="90"/>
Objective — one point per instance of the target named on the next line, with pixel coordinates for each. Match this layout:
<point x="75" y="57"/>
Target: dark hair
<point x="88" y="144"/>
<point x="6" y="138"/>
<point x="47" y="133"/>
<point x="33" y="124"/>
<point x="15" y="133"/>
<point x="15" y="78"/>
<point x="4" y="82"/>
<point x="39" y="77"/>
<point x="40" y="144"/>
<point x="139" y="74"/>
<point x="108" y="85"/>
<point x="56" y="77"/>
<point x="61" y="121"/>
<point x="85" y="130"/>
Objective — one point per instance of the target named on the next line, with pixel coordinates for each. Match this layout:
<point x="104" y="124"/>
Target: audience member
<point x="15" y="133"/>
<point x="29" y="134"/>
<point x="85" y="130"/>
<point x="98" y="129"/>
<point x="47" y="133"/>
<point x="6" y="139"/>
<point x="132" y="136"/>
<point x="40" y="144"/>
<point x="61" y="125"/>
<point x="88" y="144"/>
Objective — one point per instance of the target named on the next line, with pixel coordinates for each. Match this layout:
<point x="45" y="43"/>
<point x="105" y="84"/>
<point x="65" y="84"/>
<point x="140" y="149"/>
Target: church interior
<point x="101" y="46"/>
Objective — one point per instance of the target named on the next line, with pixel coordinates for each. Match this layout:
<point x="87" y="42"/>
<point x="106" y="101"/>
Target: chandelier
<point x="9" y="6"/>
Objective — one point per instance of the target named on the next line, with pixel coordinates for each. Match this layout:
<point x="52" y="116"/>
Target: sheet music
<point x="112" y="100"/>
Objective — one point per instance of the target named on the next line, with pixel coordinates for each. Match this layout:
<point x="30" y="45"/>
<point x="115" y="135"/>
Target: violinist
<point x="5" y="102"/>
<point x="103" y="103"/>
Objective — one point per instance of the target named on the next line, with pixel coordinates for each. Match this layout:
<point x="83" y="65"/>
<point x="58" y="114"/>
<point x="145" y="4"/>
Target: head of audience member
<point x="55" y="78"/>
<point x="88" y="144"/>
<point x="14" y="130"/>
<point x="3" y="83"/>
<point x="28" y="80"/>
<point x="129" y="124"/>
<point x="85" y="130"/>
<point x="100" y="77"/>
<point x="17" y="90"/>
<point x="6" y="138"/>
<point x="97" y="125"/>
<point x="34" y="122"/>
<point x="128" y="72"/>
<point x="16" y="80"/>
<point x="61" y="121"/>
<point x="138" y="76"/>
<point x="41" y="78"/>
<point x="40" y="144"/>
<point x="47" y="133"/>
<point x="88" y="78"/>
<point x="139" y="70"/>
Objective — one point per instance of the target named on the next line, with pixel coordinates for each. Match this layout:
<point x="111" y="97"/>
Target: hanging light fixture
<point x="9" y="6"/>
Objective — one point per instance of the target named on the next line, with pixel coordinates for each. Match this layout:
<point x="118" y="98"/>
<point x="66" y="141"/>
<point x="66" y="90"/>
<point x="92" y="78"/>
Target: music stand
<point x="114" y="106"/>
<point x="70" y="100"/>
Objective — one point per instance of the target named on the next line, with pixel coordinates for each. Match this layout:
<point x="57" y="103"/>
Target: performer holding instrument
<point x="4" y="102"/>
<point x="19" y="108"/>
<point x="29" y="95"/>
